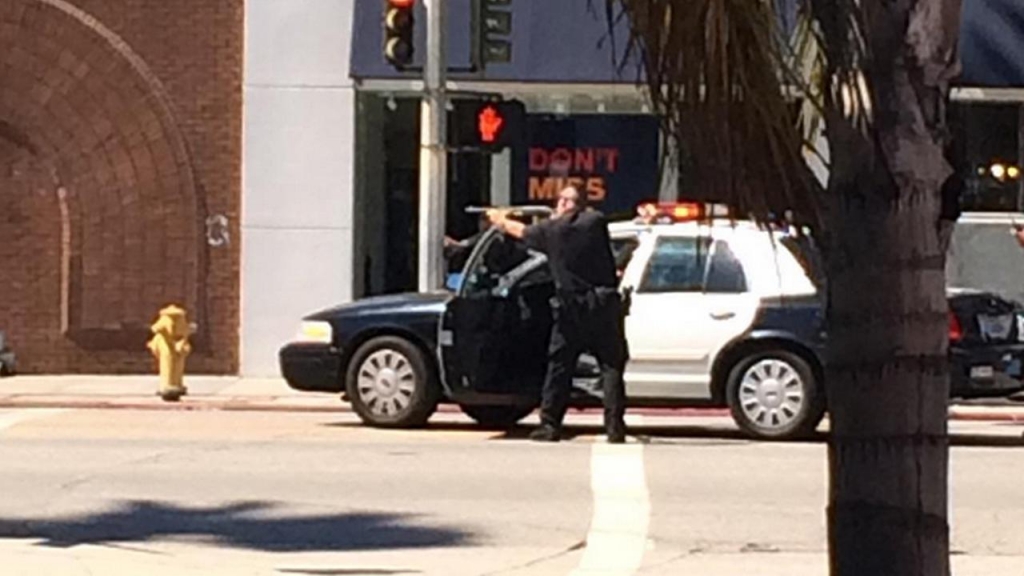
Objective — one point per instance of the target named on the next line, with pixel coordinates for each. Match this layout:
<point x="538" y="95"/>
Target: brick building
<point x="120" y="162"/>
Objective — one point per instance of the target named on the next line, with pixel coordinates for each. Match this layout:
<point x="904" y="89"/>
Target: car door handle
<point x="723" y="315"/>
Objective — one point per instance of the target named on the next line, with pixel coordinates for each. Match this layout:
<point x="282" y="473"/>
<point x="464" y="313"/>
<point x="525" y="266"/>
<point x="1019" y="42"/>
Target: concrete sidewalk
<point x="238" y="393"/>
<point x="140" y="392"/>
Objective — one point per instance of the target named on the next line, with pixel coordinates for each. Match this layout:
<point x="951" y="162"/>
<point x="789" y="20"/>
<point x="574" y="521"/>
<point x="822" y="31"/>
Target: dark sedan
<point x="986" y="349"/>
<point x="7" y="363"/>
<point x="396" y="357"/>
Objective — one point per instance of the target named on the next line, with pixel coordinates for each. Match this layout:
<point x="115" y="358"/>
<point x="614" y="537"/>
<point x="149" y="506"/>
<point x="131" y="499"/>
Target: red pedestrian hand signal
<point x="490" y="124"/>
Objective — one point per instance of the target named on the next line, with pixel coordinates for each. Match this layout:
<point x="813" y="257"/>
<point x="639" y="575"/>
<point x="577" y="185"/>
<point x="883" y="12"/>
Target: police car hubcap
<point x="771" y="393"/>
<point x="386" y="382"/>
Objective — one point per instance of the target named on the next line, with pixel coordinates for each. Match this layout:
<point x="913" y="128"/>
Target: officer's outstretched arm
<point x="513" y="228"/>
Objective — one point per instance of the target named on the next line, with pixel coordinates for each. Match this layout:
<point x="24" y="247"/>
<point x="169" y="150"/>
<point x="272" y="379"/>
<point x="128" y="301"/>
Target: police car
<point x="720" y="313"/>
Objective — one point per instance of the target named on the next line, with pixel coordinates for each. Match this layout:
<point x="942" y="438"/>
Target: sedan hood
<point x="407" y="302"/>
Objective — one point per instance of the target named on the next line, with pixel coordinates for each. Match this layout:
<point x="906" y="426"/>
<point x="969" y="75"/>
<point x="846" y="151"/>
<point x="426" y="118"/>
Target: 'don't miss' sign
<point x="586" y="168"/>
<point x="612" y="158"/>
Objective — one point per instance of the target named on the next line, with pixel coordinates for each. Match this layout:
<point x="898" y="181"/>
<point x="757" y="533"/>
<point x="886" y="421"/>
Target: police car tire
<point x="496" y="416"/>
<point x="811" y="411"/>
<point x="425" y="394"/>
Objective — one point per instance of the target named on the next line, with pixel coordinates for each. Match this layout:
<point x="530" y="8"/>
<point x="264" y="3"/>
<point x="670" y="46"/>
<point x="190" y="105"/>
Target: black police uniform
<point x="588" y="314"/>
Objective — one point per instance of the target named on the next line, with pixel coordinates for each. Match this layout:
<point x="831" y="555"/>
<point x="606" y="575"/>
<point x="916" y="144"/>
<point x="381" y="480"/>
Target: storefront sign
<point x="613" y="158"/>
<point x="586" y="168"/>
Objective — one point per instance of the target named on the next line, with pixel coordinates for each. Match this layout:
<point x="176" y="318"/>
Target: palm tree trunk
<point x="887" y="375"/>
<point x="888" y="388"/>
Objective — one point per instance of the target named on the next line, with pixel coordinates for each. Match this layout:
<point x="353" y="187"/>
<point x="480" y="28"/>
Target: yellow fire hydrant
<point x="170" y="347"/>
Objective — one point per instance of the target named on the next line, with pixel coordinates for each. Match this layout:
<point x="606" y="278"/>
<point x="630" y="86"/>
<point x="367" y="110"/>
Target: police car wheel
<point x="774" y="395"/>
<point x="497" y="416"/>
<point x="390" y="385"/>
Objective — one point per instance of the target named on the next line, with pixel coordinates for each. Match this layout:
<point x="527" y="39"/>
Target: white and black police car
<point x="720" y="313"/>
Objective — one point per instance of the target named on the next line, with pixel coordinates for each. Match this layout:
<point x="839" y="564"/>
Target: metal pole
<point x="433" y="155"/>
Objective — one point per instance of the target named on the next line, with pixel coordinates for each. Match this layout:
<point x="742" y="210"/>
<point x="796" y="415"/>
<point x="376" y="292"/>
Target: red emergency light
<point x="670" y="212"/>
<point x="402" y="3"/>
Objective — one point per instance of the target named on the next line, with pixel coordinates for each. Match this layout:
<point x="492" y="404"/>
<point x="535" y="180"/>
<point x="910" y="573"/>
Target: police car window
<point x="499" y="257"/>
<point x="622" y="251"/>
<point x="677" y="265"/>
<point x="725" y="272"/>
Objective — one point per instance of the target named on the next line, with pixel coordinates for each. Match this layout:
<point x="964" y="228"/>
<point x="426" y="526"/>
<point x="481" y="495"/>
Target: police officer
<point x="587" y="309"/>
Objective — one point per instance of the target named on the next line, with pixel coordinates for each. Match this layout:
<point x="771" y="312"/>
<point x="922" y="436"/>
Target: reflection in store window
<point x="987" y="141"/>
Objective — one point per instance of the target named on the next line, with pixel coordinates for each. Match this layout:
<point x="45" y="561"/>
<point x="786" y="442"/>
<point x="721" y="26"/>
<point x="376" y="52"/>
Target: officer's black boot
<point x="616" y="432"/>
<point x="546" y="433"/>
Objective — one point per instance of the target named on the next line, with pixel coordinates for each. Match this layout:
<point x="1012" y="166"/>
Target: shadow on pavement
<point x="345" y="571"/>
<point x="655" y="434"/>
<point x="248" y="525"/>
<point x="644" y="434"/>
<point x="520" y="432"/>
<point x="985" y="440"/>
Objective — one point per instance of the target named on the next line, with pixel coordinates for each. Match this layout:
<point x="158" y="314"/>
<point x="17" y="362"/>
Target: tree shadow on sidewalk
<point x="251" y="525"/>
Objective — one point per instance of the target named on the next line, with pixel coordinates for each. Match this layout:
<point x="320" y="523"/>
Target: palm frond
<point x="723" y="77"/>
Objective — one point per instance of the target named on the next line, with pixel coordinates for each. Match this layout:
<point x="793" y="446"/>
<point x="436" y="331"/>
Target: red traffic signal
<point x="398" y="26"/>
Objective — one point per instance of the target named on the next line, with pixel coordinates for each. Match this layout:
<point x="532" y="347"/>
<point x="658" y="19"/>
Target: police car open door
<point x="495" y="330"/>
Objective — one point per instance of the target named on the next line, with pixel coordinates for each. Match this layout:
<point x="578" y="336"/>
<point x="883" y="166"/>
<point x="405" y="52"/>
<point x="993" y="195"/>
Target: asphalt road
<point x="145" y="492"/>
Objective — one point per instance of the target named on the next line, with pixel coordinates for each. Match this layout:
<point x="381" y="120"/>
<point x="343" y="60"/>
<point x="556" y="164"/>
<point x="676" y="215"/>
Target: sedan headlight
<point x="315" y="332"/>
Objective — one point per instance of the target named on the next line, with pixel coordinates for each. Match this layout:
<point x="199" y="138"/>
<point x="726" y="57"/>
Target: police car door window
<point x="725" y="271"/>
<point x="622" y="251"/>
<point x="677" y="265"/>
<point x="496" y="258"/>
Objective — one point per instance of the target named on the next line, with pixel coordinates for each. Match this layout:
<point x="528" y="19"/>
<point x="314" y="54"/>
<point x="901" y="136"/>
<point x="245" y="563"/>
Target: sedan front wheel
<point x="390" y="385"/>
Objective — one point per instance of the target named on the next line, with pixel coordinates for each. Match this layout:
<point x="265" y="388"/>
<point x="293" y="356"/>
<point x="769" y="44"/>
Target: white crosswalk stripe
<point x="622" y="511"/>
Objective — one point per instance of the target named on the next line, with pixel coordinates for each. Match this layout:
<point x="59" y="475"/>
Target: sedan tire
<point x="774" y="395"/>
<point x="496" y="416"/>
<point x="390" y="384"/>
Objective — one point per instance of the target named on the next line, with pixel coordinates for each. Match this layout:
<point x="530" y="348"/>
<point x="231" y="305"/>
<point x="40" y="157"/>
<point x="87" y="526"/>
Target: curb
<point x="973" y="413"/>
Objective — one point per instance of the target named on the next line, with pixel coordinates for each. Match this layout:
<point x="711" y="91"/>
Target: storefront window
<point x="607" y="143"/>
<point x="988" y="146"/>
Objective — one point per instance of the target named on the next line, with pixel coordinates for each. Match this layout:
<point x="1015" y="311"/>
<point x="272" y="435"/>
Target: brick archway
<point x="103" y="223"/>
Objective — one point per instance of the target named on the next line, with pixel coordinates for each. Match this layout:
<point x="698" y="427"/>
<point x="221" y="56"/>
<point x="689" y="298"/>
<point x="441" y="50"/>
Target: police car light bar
<point x="669" y="212"/>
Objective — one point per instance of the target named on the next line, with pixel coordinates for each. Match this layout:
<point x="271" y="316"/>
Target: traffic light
<point x="398" y="24"/>
<point x="492" y="31"/>
<point x="490" y="126"/>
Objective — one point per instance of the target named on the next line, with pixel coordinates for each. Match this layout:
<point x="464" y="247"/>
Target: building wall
<point x="120" y="136"/>
<point x="298" y="170"/>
